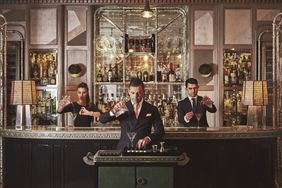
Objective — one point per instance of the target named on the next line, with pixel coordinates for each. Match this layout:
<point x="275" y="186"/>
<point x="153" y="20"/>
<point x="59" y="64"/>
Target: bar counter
<point x="230" y="157"/>
<point x="113" y="133"/>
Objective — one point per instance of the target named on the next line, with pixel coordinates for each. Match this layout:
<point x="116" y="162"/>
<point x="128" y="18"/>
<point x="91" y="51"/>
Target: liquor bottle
<point x="137" y="45"/>
<point x="153" y="43"/>
<point x="178" y="75"/>
<point x="126" y="43"/>
<point x="116" y="73"/>
<point x="48" y="103"/>
<point x="164" y="73"/>
<point x="226" y="76"/>
<point x="233" y="77"/>
<point x="53" y="106"/>
<point x="145" y="76"/>
<point x="171" y="74"/>
<point x="110" y="74"/>
<point x="99" y="76"/>
<point x="139" y="74"/>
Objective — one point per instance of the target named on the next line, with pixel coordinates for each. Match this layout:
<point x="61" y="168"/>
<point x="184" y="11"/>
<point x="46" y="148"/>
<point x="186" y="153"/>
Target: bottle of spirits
<point x="145" y="75"/>
<point x="171" y="74"/>
<point x="153" y="43"/>
<point x="126" y="43"/>
<point x="99" y="76"/>
<point x="53" y="106"/>
<point x="139" y="74"/>
<point x="226" y="76"/>
<point x="233" y="77"/>
<point x="110" y="74"/>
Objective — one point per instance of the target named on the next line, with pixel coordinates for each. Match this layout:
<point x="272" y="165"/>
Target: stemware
<point x="131" y="136"/>
<point x="198" y="116"/>
<point x="198" y="111"/>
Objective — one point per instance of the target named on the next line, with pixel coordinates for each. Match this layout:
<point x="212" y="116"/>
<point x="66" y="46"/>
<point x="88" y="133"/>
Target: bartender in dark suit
<point x="139" y="117"/>
<point x="187" y="107"/>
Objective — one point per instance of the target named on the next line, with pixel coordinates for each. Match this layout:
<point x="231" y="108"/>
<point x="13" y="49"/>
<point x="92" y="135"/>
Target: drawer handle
<point x="141" y="181"/>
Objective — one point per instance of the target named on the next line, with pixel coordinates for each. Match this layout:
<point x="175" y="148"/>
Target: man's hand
<point x="189" y="115"/>
<point x="207" y="101"/>
<point x="142" y="143"/>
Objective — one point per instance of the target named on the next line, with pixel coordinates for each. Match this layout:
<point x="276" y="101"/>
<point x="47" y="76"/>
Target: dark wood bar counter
<point x="225" y="157"/>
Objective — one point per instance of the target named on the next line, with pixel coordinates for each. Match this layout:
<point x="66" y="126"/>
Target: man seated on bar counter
<point x="192" y="110"/>
<point x="136" y="119"/>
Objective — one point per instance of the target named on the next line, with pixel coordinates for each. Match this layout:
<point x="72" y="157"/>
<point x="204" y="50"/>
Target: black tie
<point x="193" y="103"/>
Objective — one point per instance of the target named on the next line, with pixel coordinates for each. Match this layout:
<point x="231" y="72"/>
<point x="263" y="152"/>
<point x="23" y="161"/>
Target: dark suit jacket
<point x="185" y="106"/>
<point x="148" y="116"/>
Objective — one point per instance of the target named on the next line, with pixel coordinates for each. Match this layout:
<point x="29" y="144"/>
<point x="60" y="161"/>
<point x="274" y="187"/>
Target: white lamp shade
<point x="255" y="93"/>
<point x="23" y="92"/>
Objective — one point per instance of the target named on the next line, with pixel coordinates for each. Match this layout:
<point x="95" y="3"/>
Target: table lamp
<point x="23" y="94"/>
<point x="255" y="96"/>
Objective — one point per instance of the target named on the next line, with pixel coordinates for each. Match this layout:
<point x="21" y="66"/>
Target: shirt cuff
<point x="186" y="120"/>
<point x="111" y="113"/>
<point x="148" y="138"/>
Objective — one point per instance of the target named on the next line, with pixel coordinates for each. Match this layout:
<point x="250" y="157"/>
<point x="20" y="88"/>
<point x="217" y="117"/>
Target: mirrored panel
<point x="76" y="17"/>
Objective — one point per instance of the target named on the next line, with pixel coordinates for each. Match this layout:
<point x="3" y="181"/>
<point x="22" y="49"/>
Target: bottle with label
<point x="171" y="74"/>
<point x="53" y="106"/>
<point x="139" y="74"/>
<point x="110" y="74"/>
<point x="99" y="76"/>
<point x="126" y="43"/>
<point x="145" y="75"/>
<point x="226" y="76"/>
<point x="153" y="43"/>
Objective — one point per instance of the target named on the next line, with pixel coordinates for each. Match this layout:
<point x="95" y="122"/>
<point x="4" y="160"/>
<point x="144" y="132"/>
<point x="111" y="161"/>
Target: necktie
<point x="136" y="109"/>
<point x="193" y="103"/>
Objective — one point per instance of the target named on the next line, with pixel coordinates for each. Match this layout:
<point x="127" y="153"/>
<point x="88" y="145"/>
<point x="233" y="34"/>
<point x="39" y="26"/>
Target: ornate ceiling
<point x="153" y="2"/>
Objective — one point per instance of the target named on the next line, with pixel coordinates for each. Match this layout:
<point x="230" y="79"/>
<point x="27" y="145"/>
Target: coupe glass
<point x="131" y="136"/>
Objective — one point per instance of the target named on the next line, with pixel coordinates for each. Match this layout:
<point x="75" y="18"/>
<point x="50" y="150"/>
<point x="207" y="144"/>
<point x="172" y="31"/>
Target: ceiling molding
<point x="126" y="2"/>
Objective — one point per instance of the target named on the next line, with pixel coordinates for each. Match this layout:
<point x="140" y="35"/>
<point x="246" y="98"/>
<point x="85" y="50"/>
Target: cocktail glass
<point x="198" y="111"/>
<point x="131" y="136"/>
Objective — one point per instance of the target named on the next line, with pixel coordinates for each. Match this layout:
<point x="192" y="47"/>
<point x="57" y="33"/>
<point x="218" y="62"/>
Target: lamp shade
<point x="147" y="12"/>
<point x="255" y="93"/>
<point x="23" y="92"/>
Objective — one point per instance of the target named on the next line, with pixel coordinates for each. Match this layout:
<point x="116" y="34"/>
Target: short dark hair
<point x="191" y="81"/>
<point x="135" y="82"/>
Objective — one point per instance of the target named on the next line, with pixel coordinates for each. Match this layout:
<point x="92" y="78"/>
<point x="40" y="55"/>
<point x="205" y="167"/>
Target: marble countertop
<point x="102" y="133"/>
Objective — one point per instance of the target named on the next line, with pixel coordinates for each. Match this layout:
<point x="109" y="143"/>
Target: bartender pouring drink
<point x="136" y="117"/>
<point x="192" y="110"/>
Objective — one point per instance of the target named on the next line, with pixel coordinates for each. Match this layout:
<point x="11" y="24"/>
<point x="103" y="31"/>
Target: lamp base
<point x="23" y="118"/>
<point x="256" y="116"/>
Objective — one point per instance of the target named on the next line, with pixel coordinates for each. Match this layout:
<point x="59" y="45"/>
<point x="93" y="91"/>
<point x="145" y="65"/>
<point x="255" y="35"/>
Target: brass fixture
<point x="147" y="12"/>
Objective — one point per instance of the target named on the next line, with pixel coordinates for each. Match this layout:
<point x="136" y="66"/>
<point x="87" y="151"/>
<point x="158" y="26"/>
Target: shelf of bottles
<point x="43" y="70"/>
<point x="237" y="68"/>
<point x="127" y="45"/>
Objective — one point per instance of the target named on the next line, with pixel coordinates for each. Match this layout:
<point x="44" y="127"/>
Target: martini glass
<point x="198" y="111"/>
<point x="131" y="136"/>
<point x="198" y="116"/>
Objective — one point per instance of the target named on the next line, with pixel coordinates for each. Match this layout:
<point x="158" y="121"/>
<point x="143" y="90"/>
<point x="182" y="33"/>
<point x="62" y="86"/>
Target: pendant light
<point x="147" y="12"/>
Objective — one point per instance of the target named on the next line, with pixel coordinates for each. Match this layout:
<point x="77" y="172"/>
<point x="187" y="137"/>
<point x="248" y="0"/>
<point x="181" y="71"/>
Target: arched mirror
<point x="277" y="69"/>
<point x="265" y="68"/>
<point x="3" y="61"/>
<point x="15" y="64"/>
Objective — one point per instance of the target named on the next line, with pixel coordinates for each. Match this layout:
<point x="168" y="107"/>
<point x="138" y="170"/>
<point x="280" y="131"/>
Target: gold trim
<point x="152" y="2"/>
